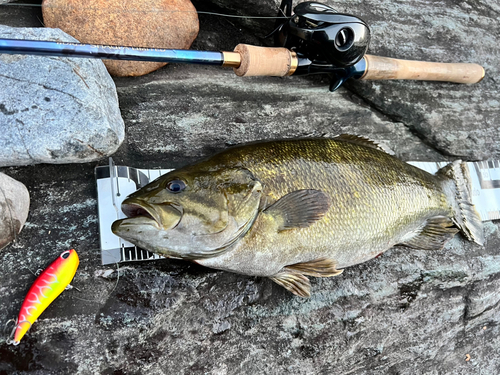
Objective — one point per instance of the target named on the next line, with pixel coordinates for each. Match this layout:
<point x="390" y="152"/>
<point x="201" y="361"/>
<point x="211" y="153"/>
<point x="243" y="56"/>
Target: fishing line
<point x="148" y="11"/>
<point x="110" y="293"/>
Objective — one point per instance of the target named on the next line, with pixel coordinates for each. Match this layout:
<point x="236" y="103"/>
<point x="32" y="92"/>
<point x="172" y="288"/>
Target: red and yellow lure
<point x="51" y="282"/>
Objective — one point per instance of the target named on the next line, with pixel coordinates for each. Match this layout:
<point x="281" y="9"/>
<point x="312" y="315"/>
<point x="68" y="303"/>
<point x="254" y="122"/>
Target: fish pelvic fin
<point x="299" y="209"/>
<point x="434" y="234"/>
<point x="322" y="267"/>
<point x="466" y="217"/>
<point x="294" y="282"/>
<point x="293" y="277"/>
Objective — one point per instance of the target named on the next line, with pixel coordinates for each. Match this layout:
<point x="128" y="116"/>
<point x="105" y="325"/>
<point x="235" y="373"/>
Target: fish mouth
<point x="166" y="216"/>
<point x="131" y="210"/>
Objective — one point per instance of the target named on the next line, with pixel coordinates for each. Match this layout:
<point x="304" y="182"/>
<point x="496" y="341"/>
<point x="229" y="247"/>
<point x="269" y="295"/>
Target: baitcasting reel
<point x="323" y="39"/>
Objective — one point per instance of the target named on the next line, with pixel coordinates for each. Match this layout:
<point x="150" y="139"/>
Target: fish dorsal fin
<point x="299" y="209"/>
<point x="363" y="141"/>
<point x="322" y="267"/>
<point x="434" y="235"/>
<point x="293" y="281"/>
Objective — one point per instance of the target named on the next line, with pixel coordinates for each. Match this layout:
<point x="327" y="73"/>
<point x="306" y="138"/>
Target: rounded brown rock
<point x="137" y="23"/>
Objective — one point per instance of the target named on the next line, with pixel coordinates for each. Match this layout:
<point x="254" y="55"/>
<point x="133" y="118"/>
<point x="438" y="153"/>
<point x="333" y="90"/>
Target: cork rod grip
<point x="378" y="68"/>
<point x="265" y="61"/>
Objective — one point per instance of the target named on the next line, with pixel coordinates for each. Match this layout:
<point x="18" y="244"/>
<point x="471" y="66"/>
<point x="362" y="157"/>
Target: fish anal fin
<point x="300" y="208"/>
<point x="434" y="235"/>
<point x="322" y="267"/>
<point x="294" y="282"/>
<point x="363" y="141"/>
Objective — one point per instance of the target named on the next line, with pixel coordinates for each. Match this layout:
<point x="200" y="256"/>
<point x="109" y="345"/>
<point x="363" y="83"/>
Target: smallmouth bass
<point x="296" y="208"/>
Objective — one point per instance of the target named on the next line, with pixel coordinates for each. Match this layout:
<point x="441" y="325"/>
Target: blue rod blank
<point x="65" y="49"/>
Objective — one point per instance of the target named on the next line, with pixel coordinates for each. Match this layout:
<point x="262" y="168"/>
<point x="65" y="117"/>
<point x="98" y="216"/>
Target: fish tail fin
<point x="466" y="217"/>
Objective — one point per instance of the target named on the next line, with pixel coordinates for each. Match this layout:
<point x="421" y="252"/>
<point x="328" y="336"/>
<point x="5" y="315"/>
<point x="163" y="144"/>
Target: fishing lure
<point x="51" y="282"/>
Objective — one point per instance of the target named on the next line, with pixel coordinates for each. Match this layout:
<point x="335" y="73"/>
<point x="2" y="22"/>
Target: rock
<point x="458" y="120"/>
<point x="55" y="110"/>
<point x="16" y="15"/>
<point x="137" y="23"/>
<point x="263" y="10"/>
<point x="406" y="312"/>
<point x="201" y="111"/>
<point x="14" y="207"/>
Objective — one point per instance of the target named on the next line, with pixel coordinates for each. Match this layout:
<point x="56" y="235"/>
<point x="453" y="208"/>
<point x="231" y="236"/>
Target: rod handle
<point x="265" y="61"/>
<point x="378" y="68"/>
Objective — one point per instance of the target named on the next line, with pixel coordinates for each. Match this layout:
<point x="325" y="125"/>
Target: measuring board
<point x="115" y="183"/>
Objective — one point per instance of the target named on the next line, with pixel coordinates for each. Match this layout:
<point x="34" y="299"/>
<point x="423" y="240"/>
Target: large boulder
<point x="55" y="109"/>
<point x="406" y="312"/>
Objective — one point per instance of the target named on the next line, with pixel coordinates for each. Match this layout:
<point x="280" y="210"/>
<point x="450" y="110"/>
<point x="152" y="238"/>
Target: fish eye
<point x="176" y="186"/>
<point x="65" y="255"/>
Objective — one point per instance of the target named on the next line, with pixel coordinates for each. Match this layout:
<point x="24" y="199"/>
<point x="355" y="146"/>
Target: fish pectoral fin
<point x="434" y="235"/>
<point x="293" y="281"/>
<point x="356" y="139"/>
<point x="322" y="267"/>
<point x="299" y="209"/>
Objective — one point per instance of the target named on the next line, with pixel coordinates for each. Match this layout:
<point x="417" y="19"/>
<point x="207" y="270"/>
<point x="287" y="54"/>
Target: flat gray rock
<point x="407" y="312"/>
<point x="458" y="120"/>
<point x="55" y="110"/>
<point x="14" y="206"/>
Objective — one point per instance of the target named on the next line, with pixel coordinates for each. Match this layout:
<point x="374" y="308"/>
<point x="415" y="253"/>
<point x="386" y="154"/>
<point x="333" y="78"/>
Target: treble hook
<point x="10" y="339"/>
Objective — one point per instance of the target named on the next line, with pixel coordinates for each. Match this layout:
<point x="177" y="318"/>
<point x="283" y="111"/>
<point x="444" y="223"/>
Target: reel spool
<point x="323" y="39"/>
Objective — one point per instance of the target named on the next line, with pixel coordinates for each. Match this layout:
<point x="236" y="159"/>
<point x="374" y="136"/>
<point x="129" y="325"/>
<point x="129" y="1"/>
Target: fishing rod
<point x="315" y="39"/>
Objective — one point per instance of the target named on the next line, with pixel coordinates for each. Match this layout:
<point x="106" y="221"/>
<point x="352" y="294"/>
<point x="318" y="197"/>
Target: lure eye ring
<point x="65" y="255"/>
<point x="175" y="186"/>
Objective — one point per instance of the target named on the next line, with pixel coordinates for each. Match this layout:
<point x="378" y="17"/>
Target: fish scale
<point x="347" y="225"/>
<point x="325" y="204"/>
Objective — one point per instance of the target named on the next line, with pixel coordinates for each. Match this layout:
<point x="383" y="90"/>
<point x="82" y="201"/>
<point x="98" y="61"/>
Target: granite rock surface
<point x="447" y="31"/>
<point x="406" y="312"/>
<point x="55" y="110"/>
